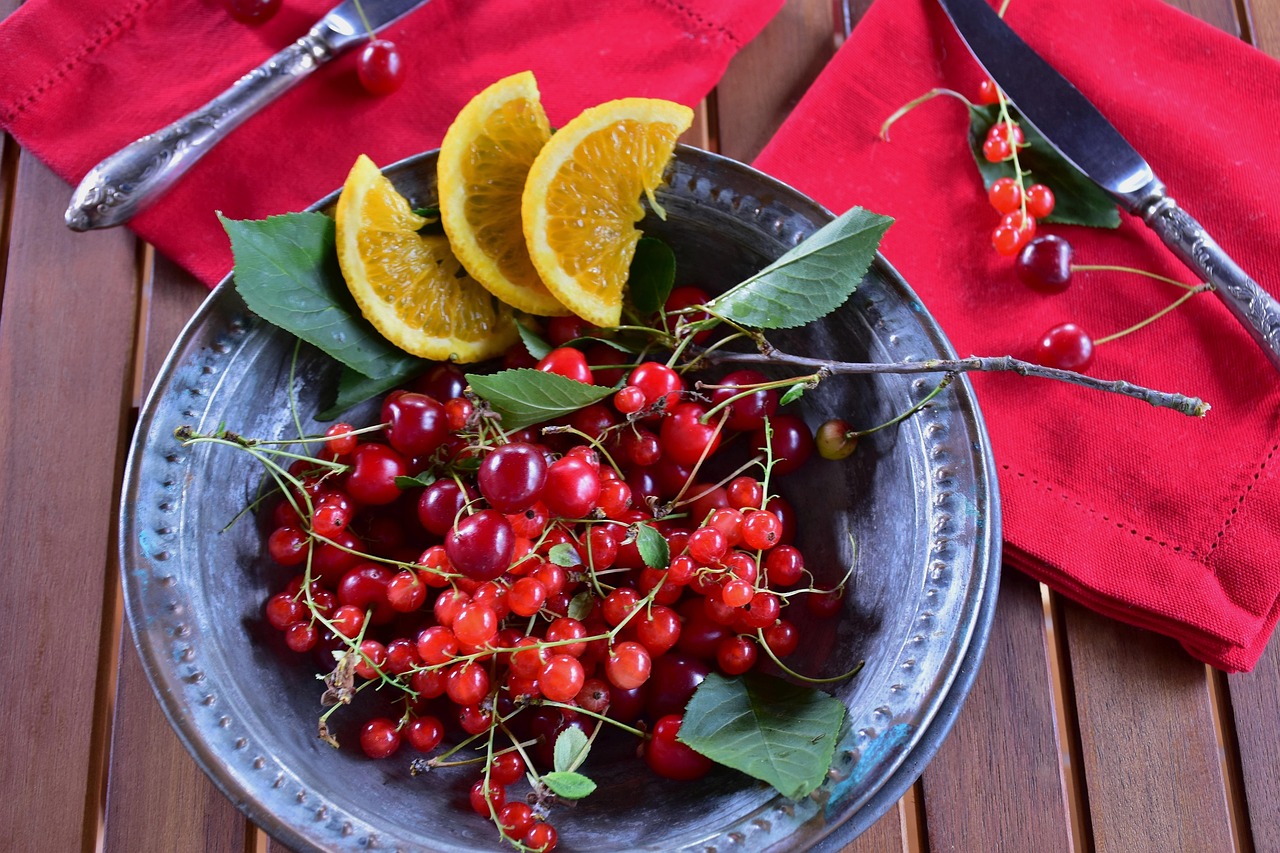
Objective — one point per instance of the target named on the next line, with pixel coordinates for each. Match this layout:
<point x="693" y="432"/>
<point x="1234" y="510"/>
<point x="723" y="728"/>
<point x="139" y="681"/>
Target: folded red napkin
<point x="79" y="81"/>
<point x="1154" y="518"/>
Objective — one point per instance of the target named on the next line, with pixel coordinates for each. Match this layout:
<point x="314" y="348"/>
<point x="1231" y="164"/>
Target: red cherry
<point x="1066" y="346"/>
<point x="567" y="362"/>
<point x="380" y="67"/>
<point x="670" y="758"/>
<point x="1044" y="264"/>
<point x="252" y="11"/>
<point x="481" y="545"/>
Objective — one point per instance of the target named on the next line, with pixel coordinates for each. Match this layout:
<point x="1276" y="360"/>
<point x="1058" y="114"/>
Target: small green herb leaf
<point x="286" y="269"/>
<point x="571" y="786"/>
<point x="652" y="275"/>
<point x="424" y="479"/>
<point x="653" y="547"/>
<point x="795" y="392"/>
<point x="354" y="387"/>
<point x="768" y="728"/>
<point x="533" y="342"/>
<point x="1078" y="200"/>
<point x="570" y="750"/>
<point x="581" y="605"/>
<point x="812" y="279"/>
<point x="525" y="397"/>
<point x="564" y="555"/>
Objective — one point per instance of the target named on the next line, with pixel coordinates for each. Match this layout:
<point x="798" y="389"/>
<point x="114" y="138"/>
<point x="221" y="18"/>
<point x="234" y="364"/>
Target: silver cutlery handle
<point x="1252" y="306"/>
<point x="121" y="185"/>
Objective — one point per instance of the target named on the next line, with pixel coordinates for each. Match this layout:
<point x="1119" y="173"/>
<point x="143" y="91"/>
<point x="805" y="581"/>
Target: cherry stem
<point x="912" y="104"/>
<point x="946" y="380"/>
<point x="1135" y="271"/>
<point x="1156" y="316"/>
<point x="1191" y="406"/>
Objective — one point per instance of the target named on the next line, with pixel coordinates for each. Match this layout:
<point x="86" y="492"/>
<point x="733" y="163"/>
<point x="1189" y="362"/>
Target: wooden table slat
<point x="1004" y="740"/>
<point x="1255" y="702"/>
<point x="62" y="418"/>
<point x="1150" y="755"/>
<point x="157" y="797"/>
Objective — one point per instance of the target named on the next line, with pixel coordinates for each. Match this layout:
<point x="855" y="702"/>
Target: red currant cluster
<point x="379" y="66"/>
<point x="511" y="587"/>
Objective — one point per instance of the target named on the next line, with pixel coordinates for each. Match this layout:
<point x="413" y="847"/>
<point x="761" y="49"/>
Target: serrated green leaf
<point x="354" y="387"/>
<point x="570" y="786"/>
<point x="286" y="270"/>
<point x="533" y="342"/>
<point x="768" y="728"/>
<point x="570" y="749"/>
<point x="652" y="275"/>
<point x="526" y="397"/>
<point x="564" y="555"/>
<point x="421" y="480"/>
<point x="1078" y="200"/>
<point x="653" y="547"/>
<point x="812" y="279"/>
<point x="795" y="392"/>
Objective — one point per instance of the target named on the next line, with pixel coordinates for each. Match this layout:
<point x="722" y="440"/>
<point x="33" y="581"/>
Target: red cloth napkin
<point x="1154" y="518"/>
<point x="80" y="80"/>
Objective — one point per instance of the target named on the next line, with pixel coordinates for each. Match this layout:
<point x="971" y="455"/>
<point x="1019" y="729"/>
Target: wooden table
<point x="1079" y="734"/>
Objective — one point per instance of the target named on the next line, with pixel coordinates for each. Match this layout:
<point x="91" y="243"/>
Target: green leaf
<point x="564" y="555"/>
<point x="795" y="392"/>
<point x="286" y="269"/>
<point x="424" y="479"/>
<point x="581" y="605"/>
<point x="526" y="396"/>
<point x="652" y="546"/>
<point x="768" y="728"/>
<point x="652" y="275"/>
<point x="533" y="342"/>
<point x="570" y="786"/>
<point x="433" y="225"/>
<point x="570" y="749"/>
<point x="354" y="387"/>
<point x="1078" y="200"/>
<point x="812" y="279"/>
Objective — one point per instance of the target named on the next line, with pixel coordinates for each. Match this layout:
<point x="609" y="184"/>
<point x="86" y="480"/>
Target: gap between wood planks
<point x="105" y="691"/>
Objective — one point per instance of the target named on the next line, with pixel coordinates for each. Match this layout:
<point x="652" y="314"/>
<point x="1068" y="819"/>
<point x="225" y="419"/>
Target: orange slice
<point x="409" y="285"/>
<point x="581" y="200"/>
<point x="484" y="159"/>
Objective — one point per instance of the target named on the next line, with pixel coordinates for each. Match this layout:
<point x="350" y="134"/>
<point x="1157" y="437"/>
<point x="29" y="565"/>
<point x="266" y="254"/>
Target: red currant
<point x="629" y="399"/>
<point x="1040" y="201"/>
<point x="340" y="440"/>
<point x="988" y="92"/>
<point x="424" y="733"/>
<point x="1005" y="195"/>
<point x="996" y="149"/>
<point x="379" y="738"/>
<point x="658" y="382"/>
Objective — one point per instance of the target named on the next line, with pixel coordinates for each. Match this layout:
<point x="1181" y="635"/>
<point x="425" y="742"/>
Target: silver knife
<point x="1075" y="128"/>
<point x="124" y="183"/>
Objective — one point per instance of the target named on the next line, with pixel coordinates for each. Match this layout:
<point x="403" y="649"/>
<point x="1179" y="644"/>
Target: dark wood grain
<point x="157" y="798"/>
<point x="1150" y="755"/>
<point x="765" y="80"/>
<point x="66" y="338"/>
<point x="883" y="836"/>
<point x="1263" y="18"/>
<point x="1255" y="701"/>
<point x="996" y="782"/>
<point x="1220" y="13"/>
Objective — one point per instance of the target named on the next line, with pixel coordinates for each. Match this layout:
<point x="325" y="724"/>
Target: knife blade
<point x="133" y="177"/>
<point x="1077" y="130"/>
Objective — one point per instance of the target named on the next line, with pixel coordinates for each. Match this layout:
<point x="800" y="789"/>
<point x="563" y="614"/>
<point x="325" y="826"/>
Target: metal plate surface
<point x="919" y="500"/>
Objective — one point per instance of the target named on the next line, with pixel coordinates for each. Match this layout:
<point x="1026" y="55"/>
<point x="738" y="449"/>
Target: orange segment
<point x="484" y="159"/>
<point x="409" y="285"/>
<point x="581" y="200"/>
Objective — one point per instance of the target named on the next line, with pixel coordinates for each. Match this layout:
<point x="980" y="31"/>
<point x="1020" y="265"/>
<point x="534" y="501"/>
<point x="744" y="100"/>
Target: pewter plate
<point x="919" y="500"/>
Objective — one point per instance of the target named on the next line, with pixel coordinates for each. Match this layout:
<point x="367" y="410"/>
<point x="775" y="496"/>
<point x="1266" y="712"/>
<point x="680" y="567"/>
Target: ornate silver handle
<point x="1252" y="306"/>
<point x="124" y="183"/>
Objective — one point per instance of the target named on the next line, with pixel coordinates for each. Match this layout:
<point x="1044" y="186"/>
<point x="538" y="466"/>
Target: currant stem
<point x="1191" y="406"/>
<point x="946" y="380"/>
<point x="912" y="104"/>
